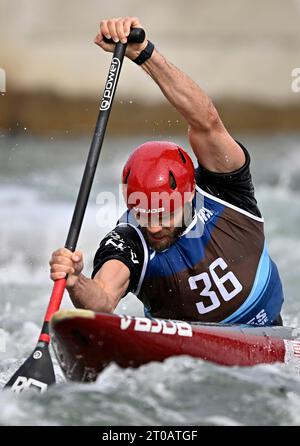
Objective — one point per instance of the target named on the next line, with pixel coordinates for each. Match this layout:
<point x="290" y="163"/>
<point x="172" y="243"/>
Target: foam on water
<point x="180" y="391"/>
<point x="36" y="201"/>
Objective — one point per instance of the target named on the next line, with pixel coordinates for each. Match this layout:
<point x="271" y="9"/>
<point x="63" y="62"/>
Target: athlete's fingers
<point x="104" y="32"/>
<point x="109" y="47"/>
<point x="61" y="260"/>
<point x="62" y="252"/>
<point x="111" y="24"/>
<point x="57" y="276"/>
<point x="77" y="256"/>
<point x="104" y="29"/>
<point x="134" y="22"/>
<point x="99" y="38"/>
<point x="120" y="31"/>
<point x="127" y="26"/>
<point x="57" y="268"/>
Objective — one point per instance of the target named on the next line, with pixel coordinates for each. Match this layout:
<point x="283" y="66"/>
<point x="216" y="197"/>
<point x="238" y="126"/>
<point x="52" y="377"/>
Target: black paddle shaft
<point x="137" y="35"/>
<point x="38" y="371"/>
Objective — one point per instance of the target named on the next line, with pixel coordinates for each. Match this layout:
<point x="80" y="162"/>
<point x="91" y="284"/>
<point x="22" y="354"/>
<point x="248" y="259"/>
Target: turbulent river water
<point x="39" y="181"/>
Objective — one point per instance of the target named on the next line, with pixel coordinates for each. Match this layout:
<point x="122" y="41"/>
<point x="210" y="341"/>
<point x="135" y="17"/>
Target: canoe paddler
<point x="191" y="245"/>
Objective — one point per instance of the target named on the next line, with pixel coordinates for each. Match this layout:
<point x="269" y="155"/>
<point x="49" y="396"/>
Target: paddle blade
<point x="36" y="373"/>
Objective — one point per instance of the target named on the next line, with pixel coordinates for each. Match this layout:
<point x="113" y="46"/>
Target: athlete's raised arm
<point x="213" y="146"/>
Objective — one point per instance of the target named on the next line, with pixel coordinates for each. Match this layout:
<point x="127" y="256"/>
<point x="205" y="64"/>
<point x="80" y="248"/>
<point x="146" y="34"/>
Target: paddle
<point x="37" y="371"/>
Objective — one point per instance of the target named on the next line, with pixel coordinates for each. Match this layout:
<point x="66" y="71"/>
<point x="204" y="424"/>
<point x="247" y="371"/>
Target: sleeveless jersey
<point x="218" y="270"/>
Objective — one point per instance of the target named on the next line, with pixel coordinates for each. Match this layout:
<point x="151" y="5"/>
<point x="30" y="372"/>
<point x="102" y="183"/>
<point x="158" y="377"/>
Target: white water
<point x="39" y="182"/>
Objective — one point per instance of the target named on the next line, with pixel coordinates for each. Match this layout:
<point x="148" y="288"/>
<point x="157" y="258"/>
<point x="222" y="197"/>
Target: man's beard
<point x="168" y="236"/>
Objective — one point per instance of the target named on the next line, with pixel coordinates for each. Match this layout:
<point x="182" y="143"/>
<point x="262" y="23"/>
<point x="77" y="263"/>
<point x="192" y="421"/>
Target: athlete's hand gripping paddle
<point x="37" y="371"/>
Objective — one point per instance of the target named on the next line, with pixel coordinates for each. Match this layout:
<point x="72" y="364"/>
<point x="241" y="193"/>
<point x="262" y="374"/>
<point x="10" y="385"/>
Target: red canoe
<point x="85" y="342"/>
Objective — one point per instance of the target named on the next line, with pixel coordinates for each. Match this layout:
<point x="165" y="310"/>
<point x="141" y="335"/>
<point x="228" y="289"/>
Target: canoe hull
<point x="86" y="342"/>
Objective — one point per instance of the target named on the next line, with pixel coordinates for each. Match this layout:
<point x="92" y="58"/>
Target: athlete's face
<point x="161" y="231"/>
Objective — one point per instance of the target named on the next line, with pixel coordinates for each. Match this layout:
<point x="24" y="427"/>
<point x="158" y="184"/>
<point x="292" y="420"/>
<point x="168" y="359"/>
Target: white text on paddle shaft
<point x="156" y="326"/>
<point x="110" y="84"/>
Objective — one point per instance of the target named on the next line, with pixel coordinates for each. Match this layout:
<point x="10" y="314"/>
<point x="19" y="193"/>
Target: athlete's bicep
<point x="122" y="244"/>
<point x="216" y="150"/>
<point x="113" y="277"/>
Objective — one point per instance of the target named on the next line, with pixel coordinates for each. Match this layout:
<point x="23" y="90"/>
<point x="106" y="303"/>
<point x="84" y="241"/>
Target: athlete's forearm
<point x="88" y="294"/>
<point x="182" y="92"/>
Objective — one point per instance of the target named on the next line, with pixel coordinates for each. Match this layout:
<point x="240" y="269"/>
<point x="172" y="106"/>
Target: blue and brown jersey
<point x="218" y="270"/>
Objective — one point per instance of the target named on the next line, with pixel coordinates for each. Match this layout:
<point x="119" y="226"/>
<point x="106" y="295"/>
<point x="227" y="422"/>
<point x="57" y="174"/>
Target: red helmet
<point x="158" y="177"/>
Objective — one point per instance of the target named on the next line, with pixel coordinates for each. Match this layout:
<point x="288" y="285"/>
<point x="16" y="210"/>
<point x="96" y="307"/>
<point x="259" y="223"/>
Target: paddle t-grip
<point x="137" y="35"/>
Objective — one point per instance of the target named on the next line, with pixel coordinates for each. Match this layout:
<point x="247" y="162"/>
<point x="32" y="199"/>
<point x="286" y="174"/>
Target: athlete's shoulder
<point x="235" y="187"/>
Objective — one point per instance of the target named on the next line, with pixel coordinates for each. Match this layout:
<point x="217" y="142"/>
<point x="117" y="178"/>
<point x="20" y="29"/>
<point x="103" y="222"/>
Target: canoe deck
<point x="86" y="342"/>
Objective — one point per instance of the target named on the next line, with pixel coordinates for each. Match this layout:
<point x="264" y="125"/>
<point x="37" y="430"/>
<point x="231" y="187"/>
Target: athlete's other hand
<point x="65" y="262"/>
<point x="118" y="29"/>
